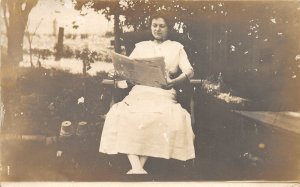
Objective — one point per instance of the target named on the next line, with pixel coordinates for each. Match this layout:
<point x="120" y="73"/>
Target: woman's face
<point x="159" y="29"/>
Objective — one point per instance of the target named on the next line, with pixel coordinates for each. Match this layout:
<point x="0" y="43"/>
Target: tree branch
<point x="4" y="7"/>
<point x="11" y="5"/>
<point x="29" y="5"/>
<point x="37" y="27"/>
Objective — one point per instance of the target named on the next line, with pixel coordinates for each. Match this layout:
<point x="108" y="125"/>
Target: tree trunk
<point x="117" y="31"/>
<point x="18" y="17"/>
<point x="18" y="12"/>
<point x="15" y="32"/>
<point x="15" y="40"/>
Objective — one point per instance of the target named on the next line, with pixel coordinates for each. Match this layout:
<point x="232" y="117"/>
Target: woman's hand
<point x="170" y="82"/>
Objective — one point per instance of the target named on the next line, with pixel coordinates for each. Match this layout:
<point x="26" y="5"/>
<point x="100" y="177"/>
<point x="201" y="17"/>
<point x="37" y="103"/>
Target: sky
<point x="46" y="11"/>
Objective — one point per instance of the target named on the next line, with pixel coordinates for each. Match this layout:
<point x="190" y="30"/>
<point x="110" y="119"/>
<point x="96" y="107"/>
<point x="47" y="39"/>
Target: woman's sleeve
<point x="184" y="64"/>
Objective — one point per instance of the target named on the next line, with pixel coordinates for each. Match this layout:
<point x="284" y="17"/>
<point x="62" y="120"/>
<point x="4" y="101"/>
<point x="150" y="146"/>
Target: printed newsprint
<point x="143" y="71"/>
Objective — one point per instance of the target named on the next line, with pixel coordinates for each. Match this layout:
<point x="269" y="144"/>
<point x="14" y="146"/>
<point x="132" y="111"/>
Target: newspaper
<point x="142" y="71"/>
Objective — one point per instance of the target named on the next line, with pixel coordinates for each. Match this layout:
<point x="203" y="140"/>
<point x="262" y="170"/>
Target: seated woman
<point x="149" y="122"/>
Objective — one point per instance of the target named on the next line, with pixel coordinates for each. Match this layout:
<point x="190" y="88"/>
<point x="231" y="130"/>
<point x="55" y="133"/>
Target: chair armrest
<point x="108" y="82"/>
<point x="196" y="81"/>
<point x="111" y="82"/>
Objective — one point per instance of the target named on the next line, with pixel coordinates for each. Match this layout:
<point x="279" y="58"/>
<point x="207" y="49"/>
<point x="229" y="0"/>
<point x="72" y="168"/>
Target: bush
<point x="71" y="36"/>
<point x="84" y="36"/>
<point x="109" y="34"/>
<point x="44" y="98"/>
<point x="67" y="52"/>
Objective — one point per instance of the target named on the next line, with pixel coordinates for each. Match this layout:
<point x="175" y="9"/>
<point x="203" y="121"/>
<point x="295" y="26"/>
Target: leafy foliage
<point x="252" y="42"/>
<point x="87" y="58"/>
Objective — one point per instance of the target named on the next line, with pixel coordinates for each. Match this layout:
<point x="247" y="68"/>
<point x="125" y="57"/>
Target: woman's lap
<point x="148" y="123"/>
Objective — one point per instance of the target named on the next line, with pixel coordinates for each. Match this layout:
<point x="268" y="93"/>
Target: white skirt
<point x="149" y="122"/>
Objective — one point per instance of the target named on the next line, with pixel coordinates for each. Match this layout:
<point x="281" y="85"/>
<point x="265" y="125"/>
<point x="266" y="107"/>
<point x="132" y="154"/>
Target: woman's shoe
<point x="140" y="171"/>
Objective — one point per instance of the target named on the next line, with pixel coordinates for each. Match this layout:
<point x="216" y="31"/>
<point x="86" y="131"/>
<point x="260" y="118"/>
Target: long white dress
<point x="149" y="121"/>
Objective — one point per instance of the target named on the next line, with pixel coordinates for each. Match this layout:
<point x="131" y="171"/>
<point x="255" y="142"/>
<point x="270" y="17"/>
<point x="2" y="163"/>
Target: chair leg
<point x="192" y="109"/>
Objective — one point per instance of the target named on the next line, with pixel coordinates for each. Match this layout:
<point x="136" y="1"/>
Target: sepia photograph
<point x="152" y="91"/>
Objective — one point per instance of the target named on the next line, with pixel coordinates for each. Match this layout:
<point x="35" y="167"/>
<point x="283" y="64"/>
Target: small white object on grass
<point x="80" y="100"/>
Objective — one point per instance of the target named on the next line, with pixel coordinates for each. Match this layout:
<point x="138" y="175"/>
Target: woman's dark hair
<point x="164" y="15"/>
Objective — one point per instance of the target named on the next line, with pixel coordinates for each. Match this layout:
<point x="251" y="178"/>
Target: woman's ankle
<point x="135" y="162"/>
